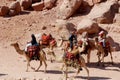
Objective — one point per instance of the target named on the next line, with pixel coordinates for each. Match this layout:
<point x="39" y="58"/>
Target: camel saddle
<point x="46" y="39"/>
<point x="72" y="60"/>
<point x="107" y="44"/>
<point x="52" y="42"/>
<point x="69" y="56"/>
<point x="33" y="52"/>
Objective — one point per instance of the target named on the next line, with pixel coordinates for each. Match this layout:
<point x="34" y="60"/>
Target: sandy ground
<point x="13" y="67"/>
<point x="20" y="27"/>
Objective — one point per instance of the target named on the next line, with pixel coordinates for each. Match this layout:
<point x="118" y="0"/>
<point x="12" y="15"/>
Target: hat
<point x="101" y="33"/>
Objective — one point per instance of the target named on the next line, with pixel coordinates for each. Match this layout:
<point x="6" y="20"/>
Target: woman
<point x="32" y="42"/>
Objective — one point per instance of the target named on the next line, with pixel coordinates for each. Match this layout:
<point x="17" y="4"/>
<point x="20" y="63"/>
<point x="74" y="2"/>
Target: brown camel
<point x="77" y="62"/>
<point x="51" y="44"/>
<point x="103" y="51"/>
<point x="42" y="57"/>
<point x="91" y="46"/>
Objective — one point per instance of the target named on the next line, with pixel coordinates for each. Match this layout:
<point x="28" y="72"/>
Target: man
<point x="73" y="39"/>
<point x="102" y="38"/>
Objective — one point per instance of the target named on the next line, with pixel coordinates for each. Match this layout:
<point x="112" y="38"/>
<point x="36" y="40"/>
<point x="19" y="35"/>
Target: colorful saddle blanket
<point x="33" y="52"/>
<point x="70" y="56"/>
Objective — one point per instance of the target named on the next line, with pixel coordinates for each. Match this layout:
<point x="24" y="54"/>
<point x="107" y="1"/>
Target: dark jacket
<point x="33" y="41"/>
<point x="72" y="37"/>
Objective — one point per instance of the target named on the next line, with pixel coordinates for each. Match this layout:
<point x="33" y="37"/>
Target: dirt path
<point x="13" y="67"/>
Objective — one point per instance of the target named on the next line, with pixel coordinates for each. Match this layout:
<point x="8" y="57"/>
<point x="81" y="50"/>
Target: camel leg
<point x="99" y="54"/>
<point x="102" y="59"/>
<point x="85" y="67"/>
<point x="45" y="64"/>
<point x="88" y="57"/>
<point x="83" y="64"/>
<point x="66" y="69"/>
<point x="66" y="72"/>
<point x="43" y="58"/>
<point x="111" y="54"/>
<point x="28" y="64"/>
<point x="62" y="69"/>
<point x="111" y="57"/>
<point x="87" y="71"/>
<point x="39" y="65"/>
<point x="52" y="56"/>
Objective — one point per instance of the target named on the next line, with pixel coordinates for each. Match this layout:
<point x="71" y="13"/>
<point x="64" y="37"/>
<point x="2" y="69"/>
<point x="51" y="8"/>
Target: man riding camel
<point x="102" y="38"/>
<point x="32" y="42"/>
<point x="73" y="39"/>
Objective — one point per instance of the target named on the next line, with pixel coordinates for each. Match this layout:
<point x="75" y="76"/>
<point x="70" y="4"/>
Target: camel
<point x="77" y="62"/>
<point x="42" y="57"/>
<point x="91" y="46"/>
<point x="50" y="45"/>
<point x="102" y="51"/>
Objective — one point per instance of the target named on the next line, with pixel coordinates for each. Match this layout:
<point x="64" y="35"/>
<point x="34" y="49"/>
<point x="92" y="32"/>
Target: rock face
<point x="4" y="10"/>
<point x="64" y="28"/>
<point x="16" y="7"/>
<point x="12" y="13"/>
<point x="93" y="2"/>
<point x="117" y="18"/>
<point x="49" y="4"/>
<point x="38" y="6"/>
<point x="104" y="12"/>
<point x="67" y="8"/>
<point x="26" y="4"/>
<point x="87" y="25"/>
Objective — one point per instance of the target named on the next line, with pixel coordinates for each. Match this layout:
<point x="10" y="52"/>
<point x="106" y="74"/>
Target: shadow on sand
<point x="55" y="71"/>
<point x="3" y="74"/>
<point x="93" y="78"/>
<point x="106" y="65"/>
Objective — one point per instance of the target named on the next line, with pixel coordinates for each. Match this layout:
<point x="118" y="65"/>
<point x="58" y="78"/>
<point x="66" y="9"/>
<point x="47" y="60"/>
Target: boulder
<point x="117" y="18"/>
<point x="93" y="2"/>
<point x="49" y="4"/>
<point x="38" y="6"/>
<point x="88" y="25"/>
<point x="104" y="12"/>
<point x="64" y="28"/>
<point x="26" y="4"/>
<point x="15" y="6"/>
<point x="12" y="13"/>
<point x="114" y="45"/>
<point x="84" y="8"/>
<point x="67" y="8"/>
<point x="4" y="10"/>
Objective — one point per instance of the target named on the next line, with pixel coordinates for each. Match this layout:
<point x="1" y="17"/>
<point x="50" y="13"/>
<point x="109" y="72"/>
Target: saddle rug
<point x="33" y="52"/>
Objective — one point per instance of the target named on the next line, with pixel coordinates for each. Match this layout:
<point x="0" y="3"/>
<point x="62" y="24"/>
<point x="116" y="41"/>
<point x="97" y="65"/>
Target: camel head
<point x="14" y="44"/>
<point x="17" y="48"/>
